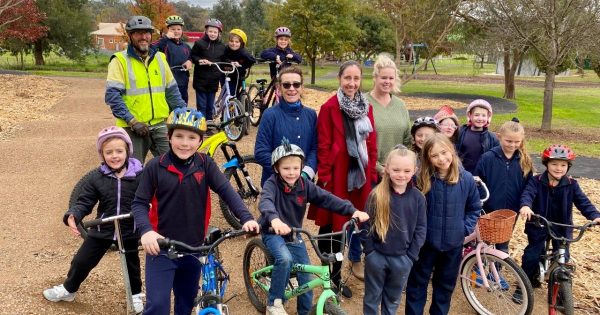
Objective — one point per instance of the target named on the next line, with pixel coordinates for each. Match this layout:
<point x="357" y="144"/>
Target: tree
<point x="193" y="16"/>
<point x="69" y="27"/>
<point x="255" y="25"/>
<point x="108" y="11"/>
<point x="5" y="9"/>
<point x="317" y="26"/>
<point x="229" y="13"/>
<point x="553" y="30"/>
<point x="376" y="33"/>
<point x="25" y="27"/>
<point x="156" y="10"/>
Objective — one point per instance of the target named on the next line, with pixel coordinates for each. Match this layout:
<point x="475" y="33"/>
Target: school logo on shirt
<point x="199" y="176"/>
<point x="300" y="200"/>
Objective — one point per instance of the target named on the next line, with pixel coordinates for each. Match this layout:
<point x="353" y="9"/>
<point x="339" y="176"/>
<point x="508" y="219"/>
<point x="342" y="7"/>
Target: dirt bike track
<point x="39" y="166"/>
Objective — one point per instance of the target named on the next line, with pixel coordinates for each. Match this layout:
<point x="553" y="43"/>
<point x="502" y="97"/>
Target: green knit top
<point x="392" y="124"/>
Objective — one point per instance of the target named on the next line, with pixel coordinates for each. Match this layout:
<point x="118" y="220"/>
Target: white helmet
<point x="286" y="149"/>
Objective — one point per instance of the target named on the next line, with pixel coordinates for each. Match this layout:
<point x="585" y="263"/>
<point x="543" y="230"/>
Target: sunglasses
<point x="288" y="85"/>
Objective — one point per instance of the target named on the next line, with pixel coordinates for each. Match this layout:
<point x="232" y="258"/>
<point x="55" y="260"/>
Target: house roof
<point x="115" y="29"/>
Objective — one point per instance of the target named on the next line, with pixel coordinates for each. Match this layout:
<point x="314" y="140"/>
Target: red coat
<point x="332" y="166"/>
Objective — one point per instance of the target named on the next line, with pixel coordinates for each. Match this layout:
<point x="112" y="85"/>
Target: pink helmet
<point x="479" y="103"/>
<point x="283" y="31"/>
<point x="113" y="132"/>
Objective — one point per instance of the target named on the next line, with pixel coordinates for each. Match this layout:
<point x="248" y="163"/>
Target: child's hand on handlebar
<point x="279" y="227"/>
<point x="289" y="56"/>
<point x="477" y="179"/>
<point x="150" y="244"/>
<point x="360" y="215"/>
<point x="187" y="65"/>
<point x="204" y="62"/>
<point x="73" y="225"/>
<point x="251" y="226"/>
<point x="526" y="212"/>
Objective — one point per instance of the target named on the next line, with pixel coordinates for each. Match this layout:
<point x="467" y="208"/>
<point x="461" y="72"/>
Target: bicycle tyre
<point x="236" y="178"/>
<point x="256" y="256"/>
<point x="77" y="189"/>
<point x="257" y="107"/>
<point x="245" y="100"/>
<point x="496" y="300"/>
<point x="330" y="308"/>
<point x="560" y="290"/>
<point x="236" y="130"/>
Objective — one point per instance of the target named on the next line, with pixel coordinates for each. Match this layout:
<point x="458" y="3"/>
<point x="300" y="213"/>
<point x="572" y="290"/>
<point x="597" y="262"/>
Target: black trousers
<point x="88" y="256"/>
<point x="331" y="246"/>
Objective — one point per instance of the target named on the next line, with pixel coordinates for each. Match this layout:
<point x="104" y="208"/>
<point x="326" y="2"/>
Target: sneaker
<point x="276" y="308"/>
<point x="490" y="277"/>
<point x="517" y="297"/>
<point x="344" y="290"/>
<point x="358" y="270"/>
<point x="58" y="293"/>
<point x="138" y="302"/>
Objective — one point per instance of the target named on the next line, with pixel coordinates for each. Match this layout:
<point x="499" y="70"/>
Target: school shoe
<point x="138" y="302"/>
<point x="517" y="297"/>
<point x="344" y="291"/>
<point x="58" y="293"/>
<point x="277" y="308"/>
<point x="358" y="270"/>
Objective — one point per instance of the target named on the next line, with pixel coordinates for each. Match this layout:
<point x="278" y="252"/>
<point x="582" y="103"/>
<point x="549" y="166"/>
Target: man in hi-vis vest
<point x="141" y="90"/>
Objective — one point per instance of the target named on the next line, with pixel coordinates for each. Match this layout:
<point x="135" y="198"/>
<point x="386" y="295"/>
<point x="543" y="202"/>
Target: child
<point x="207" y="50"/>
<point x="281" y="52"/>
<point x="113" y="187"/>
<point x="453" y="207"/>
<point x="506" y="169"/>
<point x="282" y="206"/>
<point x="236" y="53"/>
<point x="422" y="129"/>
<point x="448" y="122"/>
<point x="177" y="184"/>
<point x="551" y="195"/>
<point x="177" y="52"/>
<point x="396" y="232"/>
<point x="474" y="139"/>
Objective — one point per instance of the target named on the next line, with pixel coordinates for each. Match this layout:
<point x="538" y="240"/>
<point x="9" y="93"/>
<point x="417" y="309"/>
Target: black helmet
<point x="138" y="22"/>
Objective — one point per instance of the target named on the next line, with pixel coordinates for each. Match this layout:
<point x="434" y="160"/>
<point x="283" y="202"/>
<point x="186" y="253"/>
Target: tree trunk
<point x="399" y="46"/>
<point x="313" y="62"/>
<point x="509" y="77"/>
<point x="548" y="98"/>
<point x="38" y="53"/>
<point x="22" y="61"/>
<point x="481" y="65"/>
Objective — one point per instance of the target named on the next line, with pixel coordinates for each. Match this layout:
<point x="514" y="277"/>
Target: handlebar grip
<point x="91" y="223"/>
<point x="163" y="243"/>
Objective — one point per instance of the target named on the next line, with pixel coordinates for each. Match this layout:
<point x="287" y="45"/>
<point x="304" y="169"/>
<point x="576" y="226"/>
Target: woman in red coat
<point x="347" y="156"/>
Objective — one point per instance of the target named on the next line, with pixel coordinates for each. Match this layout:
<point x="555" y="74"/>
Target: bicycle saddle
<point x="261" y="81"/>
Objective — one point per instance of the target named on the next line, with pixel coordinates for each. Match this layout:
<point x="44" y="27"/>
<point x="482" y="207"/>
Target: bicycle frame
<point x="482" y="249"/>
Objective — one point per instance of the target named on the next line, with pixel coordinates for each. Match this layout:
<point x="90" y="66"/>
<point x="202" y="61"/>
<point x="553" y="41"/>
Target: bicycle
<point x="228" y="106"/>
<point x="487" y="274"/>
<point x="260" y="97"/>
<point x="258" y="265"/>
<point x="179" y="68"/>
<point x="554" y="268"/>
<point x="214" y="280"/>
<point x="120" y="247"/>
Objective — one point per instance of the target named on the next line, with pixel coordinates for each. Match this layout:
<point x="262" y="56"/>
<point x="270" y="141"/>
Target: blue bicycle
<point x="213" y="284"/>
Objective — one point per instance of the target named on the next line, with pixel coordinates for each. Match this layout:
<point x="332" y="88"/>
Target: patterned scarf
<point x="357" y="127"/>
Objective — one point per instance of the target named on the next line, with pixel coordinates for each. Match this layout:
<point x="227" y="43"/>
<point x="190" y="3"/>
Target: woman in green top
<point x="392" y="122"/>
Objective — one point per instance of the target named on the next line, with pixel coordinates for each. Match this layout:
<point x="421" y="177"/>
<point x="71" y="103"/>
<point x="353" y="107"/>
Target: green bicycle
<point x="258" y="265"/>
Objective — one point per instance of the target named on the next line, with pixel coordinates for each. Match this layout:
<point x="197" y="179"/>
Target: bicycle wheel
<point x="235" y="130"/>
<point x="256" y="257"/>
<point x="77" y="190"/>
<point x="330" y="307"/>
<point x="257" y="105"/>
<point x="241" y="184"/>
<point x="498" y="298"/>
<point x="560" y="296"/>
<point x="245" y="100"/>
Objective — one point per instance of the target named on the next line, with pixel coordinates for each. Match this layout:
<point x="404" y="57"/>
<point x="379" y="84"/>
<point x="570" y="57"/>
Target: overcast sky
<point x="203" y="3"/>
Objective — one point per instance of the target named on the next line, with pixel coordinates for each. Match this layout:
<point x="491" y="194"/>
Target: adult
<point x="141" y="90"/>
<point x="392" y="121"/>
<point x="288" y="119"/>
<point x="346" y="155"/>
<point x="177" y="52"/>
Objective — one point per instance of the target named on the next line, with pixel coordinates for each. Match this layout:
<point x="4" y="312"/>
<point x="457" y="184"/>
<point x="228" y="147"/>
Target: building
<point x="109" y="37"/>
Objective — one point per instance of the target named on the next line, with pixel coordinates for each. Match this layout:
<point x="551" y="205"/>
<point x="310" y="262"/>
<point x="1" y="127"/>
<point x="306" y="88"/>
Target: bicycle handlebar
<point x="106" y="220"/>
<point x="485" y="189"/>
<point x="222" y="125"/>
<point x="225" y="72"/>
<point x="330" y="257"/>
<point x="549" y="224"/>
<point x="167" y="243"/>
<point x="268" y="61"/>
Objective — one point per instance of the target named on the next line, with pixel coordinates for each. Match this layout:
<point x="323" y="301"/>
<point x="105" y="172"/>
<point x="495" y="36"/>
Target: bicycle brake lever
<point x="172" y="253"/>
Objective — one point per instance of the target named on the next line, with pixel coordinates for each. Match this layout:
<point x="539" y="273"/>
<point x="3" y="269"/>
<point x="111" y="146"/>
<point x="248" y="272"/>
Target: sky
<point x="202" y="3"/>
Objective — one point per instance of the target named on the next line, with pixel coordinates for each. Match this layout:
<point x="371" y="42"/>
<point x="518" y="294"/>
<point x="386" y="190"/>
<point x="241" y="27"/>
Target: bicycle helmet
<point x="558" y="152"/>
<point x="425" y="121"/>
<point x="446" y="112"/>
<point x="138" y="22"/>
<point x="479" y="103"/>
<point x="214" y="23"/>
<point x="113" y="132"/>
<point x="286" y="149"/>
<point x="283" y="31"/>
<point x="187" y="118"/>
<point x="241" y="34"/>
<point x="174" y="20"/>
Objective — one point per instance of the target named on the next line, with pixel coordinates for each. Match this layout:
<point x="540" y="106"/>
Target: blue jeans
<point x="385" y="278"/>
<point x="285" y="254"/>
<point x="205" y="102"/>
<point x="182" y="275"/>
<point x="354" y="246"/>
<point x="444" y="266"/>
<point x="156" y="142"/>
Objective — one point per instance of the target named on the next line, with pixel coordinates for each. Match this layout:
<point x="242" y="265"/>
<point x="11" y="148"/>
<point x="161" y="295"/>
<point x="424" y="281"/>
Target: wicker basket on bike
<point x="497" y="227"/>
